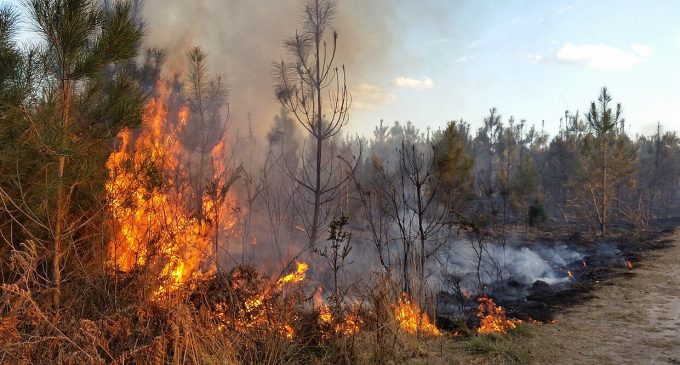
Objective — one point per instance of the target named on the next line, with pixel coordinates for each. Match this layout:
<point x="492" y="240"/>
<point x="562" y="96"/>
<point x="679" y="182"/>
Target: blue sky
<point x="530" y="59"/>
<point x="431" y="61"/>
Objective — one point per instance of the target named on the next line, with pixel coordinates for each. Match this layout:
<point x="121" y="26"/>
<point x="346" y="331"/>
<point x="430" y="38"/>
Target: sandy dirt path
<point x="633" y="319"/>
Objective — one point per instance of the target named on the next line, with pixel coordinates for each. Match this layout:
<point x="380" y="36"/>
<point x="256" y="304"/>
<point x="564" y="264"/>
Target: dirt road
<point x="633" y="319"/>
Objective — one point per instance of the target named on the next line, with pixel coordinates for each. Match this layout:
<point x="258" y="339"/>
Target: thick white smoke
<point x="510" y="265"/>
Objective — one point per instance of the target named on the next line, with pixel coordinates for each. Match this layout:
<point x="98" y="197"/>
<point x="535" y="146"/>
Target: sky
<point x="532" y="60"/>
<point x="432" y="61"/>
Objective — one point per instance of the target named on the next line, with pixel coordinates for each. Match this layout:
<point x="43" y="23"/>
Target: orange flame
<point x="493" y="318"/>
<point x="629" y="264"/>
<point x="571" y="276"/>
<point x="295" y="277"/>
<point x="147" y="192"/>
<point x="411" y="319"/>
<point x="537" y="322"/>
<point x="347" y="326"/>
<point x="257" y="311"/>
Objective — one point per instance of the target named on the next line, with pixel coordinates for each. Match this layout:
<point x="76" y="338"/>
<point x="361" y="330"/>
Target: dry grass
<point x="116" y="320"/>
<point x="109" y="321"/>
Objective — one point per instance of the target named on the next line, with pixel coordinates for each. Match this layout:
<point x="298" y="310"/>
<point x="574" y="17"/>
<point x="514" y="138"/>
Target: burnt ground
<point x="608" y="315"/>
<point x="601" y="262"/>
<point x="632" y="318"/>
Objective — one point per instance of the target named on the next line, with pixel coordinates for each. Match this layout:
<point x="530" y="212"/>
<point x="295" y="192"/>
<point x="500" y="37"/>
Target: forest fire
<point x="412" y="320"/>
<point x="198" y="184"/>
<point x="493" y="318"/>
<point x="149" y="190"/>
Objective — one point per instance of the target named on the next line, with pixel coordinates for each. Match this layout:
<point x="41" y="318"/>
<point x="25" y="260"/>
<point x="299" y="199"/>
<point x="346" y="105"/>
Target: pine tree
<point x="454" y="164"/>
<point x="206" y="96"/>
<point x="87" y="100"/>
<point x="607" y="162"/>
<point x="314" y="90"/>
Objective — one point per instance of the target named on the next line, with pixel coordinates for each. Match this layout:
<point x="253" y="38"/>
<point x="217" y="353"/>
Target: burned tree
<point x="302" y="86"/>
<point x="406" y="196"/>
<point x="206" y="96"/>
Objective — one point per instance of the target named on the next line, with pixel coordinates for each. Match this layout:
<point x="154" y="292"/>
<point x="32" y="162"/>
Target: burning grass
<point x="412" y="320"/>
<point x="493" y="318"/>
<point x="212" y="320"/>
<point x="240" y="317"/>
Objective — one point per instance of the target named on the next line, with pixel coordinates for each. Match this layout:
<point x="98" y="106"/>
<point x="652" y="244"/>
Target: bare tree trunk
<point x="61" y="208"/>
<point x="421" y="233"/>
<point x="603" y="223"/>
<point x="407" y="286"/>
<point x="319" y="139"/>
<point x="58" y="233"/>
<point x="199" y="185"/>
<point x="313" y="237"/>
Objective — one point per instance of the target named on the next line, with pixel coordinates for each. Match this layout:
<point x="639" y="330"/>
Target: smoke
<point x="519" y="266"/>
<point x="243" y="38"/>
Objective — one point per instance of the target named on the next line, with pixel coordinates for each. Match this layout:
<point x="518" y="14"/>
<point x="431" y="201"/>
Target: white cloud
<point x="560" y="11"/>
<point x="440" y="41"/>
<point x="422" y="84"/>
<point x="602" y="57"/>
<point x="642" y="50"/>
<point x="461" y="59"/>
<point x="533" y="57"/>
<point x="369" y="97"/>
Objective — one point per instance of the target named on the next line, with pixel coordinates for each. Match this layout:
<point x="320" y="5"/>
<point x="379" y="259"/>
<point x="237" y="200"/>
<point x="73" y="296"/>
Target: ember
<point x="629" y="264"/>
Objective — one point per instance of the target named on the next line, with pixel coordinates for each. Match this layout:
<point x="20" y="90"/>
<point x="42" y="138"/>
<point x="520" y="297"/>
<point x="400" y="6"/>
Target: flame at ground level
<point x="410" y="318"/>
<point x="260" y="311"/>
<point x="493" y="318"/>
<point x="348" y="325"/>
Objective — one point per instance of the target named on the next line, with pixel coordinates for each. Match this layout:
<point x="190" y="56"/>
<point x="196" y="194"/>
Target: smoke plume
<point x="243" y="38"/>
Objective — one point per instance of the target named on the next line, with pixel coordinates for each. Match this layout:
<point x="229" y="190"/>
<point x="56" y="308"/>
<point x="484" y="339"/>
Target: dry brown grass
<point x="115" y="320"/>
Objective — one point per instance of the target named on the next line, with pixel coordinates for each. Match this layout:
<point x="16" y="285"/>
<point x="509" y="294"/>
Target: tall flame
<point x="148" y="194"/>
